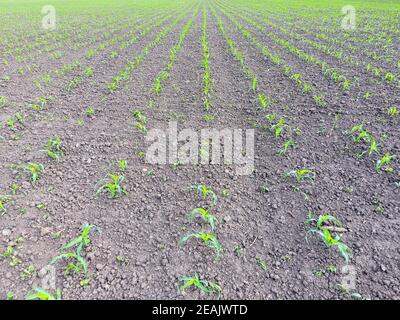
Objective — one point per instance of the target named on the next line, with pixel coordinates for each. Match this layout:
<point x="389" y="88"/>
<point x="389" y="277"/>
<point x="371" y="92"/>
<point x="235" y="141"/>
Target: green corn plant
<point x="82" y="241"/>
<point x="297" y="78"/>
<point x="112" y="184"/>
<point x="204" y="191"/>
<point x="122" y="165"/>
<point x="279" y="127"/>
<point x="393" y="111"/>
<point x="289" y="143"/>
<point x="208" y="240"/>
<point x="157" y="86"/>
<point x="264" y="100"/>
<point x="271" y="117"/>
<point x="327" y="237"/>
<point x="88" y="72"/>
<point x="3" y="101"/>
<point x="90" y="54"/>
<point x="74" y="249"/>
<point x="16" y="118"/>
<point x="346" y="84"/>
<point x="360" y="134"/>
<point x="262" y="263"/>
<point x="366" y="95"/>
<point x="319" y="100"/>
<point x="8" y="252"/>
<point x="41" y="294"/>
<point x="140" y="120"/>
<point x="27" y="272"/>
<point x="205" y="62"/>
<point x="40" y="104"/>
<point x="4" y="200"/>
<point x="74" y="83"/>
<point x="33" y="169"/>
<point x="205" y="286"/>
<point x="20" y="117"/>
<point x="14" y="188"/>
<point x="373" y="147"/>
<point x="389" y="77"/>
<point x="205" y="215"/>
<point x="307" y="88"/>
<point x="385" y="160"/>
<point x="301" y="175"/>
<point x="112" y="87"/>
<point x="254" y="85"/>
<point x="11" y="123"/>
<point x="89" y="111"/>
<point x="76" y="263"/>
<point x="53" y="148"/>
<point x="15" y="261"/>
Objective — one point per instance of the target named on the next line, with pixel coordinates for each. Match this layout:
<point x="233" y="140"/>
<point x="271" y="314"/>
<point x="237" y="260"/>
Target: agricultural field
<point x="113" y="180"/>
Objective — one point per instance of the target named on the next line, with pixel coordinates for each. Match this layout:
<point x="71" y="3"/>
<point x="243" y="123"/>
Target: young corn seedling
<point x="53" y="148"/>
<point x="121" y="260"/>
<point x="83" y="240"/>
<point x="16" y="118"/>
<point x="89" y="111"/>
<point x="289" y="143"/>
<point x="301" y="175"/>
<point x="76" y="246"/>
<point x="208" y="287"/>
<point x="90" y="54"/>
<point x="8" y="252"/>
<point x="204" y="192"/>
<point x="14" y="188"/>
<point x="112" y="87"/>
<point x="40" y="104"/>
<point x="112" y="184"/>
<point x="279" y="127"/>
<point x="373" y="146"/>
<point x="262" y="263"/>
<point x="41" y="294"/>
<point x="205" y="215"/>
<point x="359" y="134"/>
<point x="384" y="161"/>
<point x="140" y="120"/>
<point x="323" y="230"/>
<point x="319" y="100"/>
<point x="27" y="272"/>
<point x="366" y="95"/>
<point x="88" y="72"/>
<point x="254" y="85"/>
<point x="389" y="77"/>
<point x="307" y="88"/>
<point x="346" y="84"/>
<point x="393" y="112"/>
<point x="205" y="63"/>
<point x="33" y="169"/>
<point x="3" y="101"/>
<point x="271" y="117"/>
<point x="208" y="240"/>
<point x="237" y="249"/>
<point x="122" y="165"/>
<point x="264" y="100"/>
<point x="157" y="86"/>
<point x="4" y="200"/>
